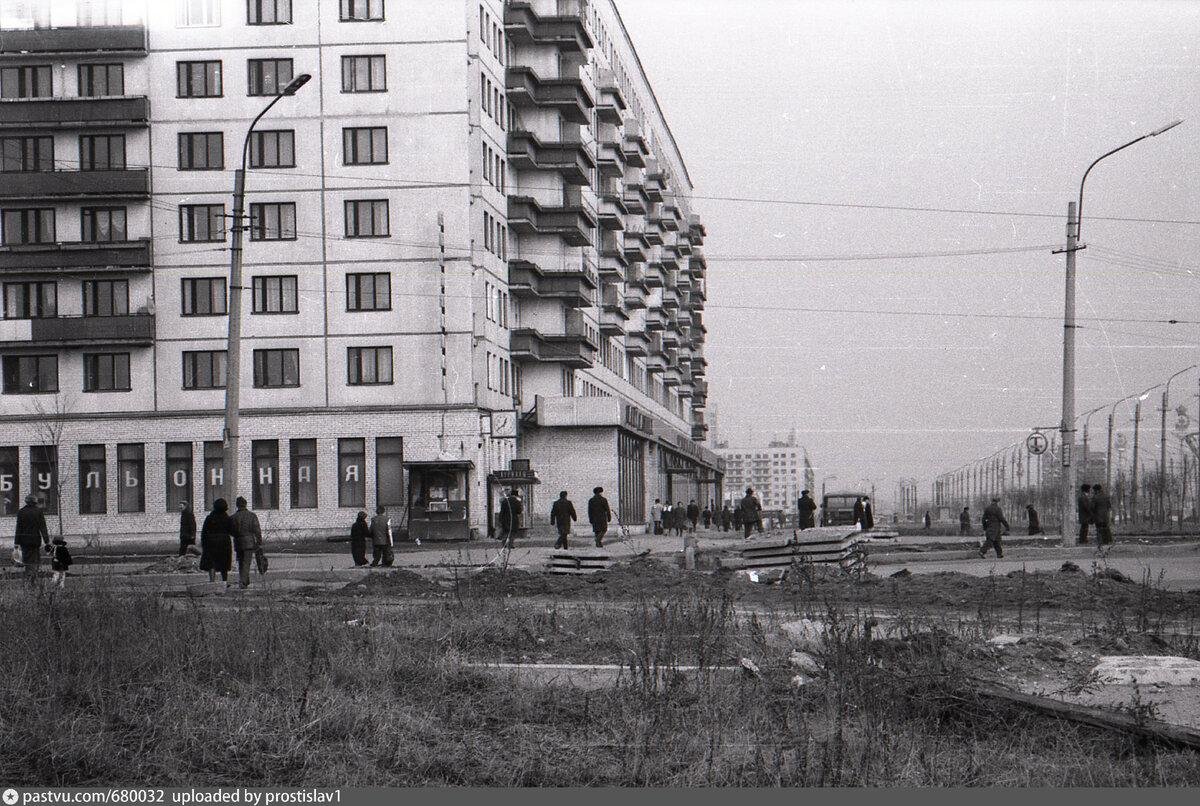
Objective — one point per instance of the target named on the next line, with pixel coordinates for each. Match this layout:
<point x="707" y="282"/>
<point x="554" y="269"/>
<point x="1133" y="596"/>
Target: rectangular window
<point x="198" y="79"/>
<point x="369" y="292"/>
<point x="30" y="374"/>
<point x="268" y="76"/>
<point x="389" y="471"/>
<point x="105" y="297"/>
<point x="364" y="74"/>
<point x="304" y="473"/>
<point x="99" y="80"/>
<point x="273" y="221"/>
<point x="275" y="294"/>
<point x="106" y="372"/>
<point x="28" y="226"/>
<point x="268" y="12"/>
<point x="368" y="366"/>
<point x="201" y="151"/>
<point x="93" y="487"/>
<point x="201" y="223"/>
<point x="102" y="152"/>
<point x="214" y="473"/>
<point x="365" y="146"/>
<point x="10" y="481"/>
<point x="264" y="458"/>
<point x="352" y="470"/>
<point x="98" y="13"/>
<point x="204" y="369"/>
<point x="198" y="13"/>
<point x="27" y="153"/>
<point x="203" y="296"/>
<point x="43" y="474"/>
<point x="276" y="369"/>
<point x="361" y="10"/>
<point x="179" y="475"/>
<point x="273" y="149"/>
<point x="367" y="219"/>
<point x="102" y="224"/>
<point x="26" y="81"/>
<point x="131" y="478"/>
<point x="32" y="300"/>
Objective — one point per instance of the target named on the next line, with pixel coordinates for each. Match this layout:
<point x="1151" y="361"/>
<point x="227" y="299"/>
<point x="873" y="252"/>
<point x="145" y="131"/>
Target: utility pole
<point x="1068" y="379"/>
<point x="1133" y="493"/>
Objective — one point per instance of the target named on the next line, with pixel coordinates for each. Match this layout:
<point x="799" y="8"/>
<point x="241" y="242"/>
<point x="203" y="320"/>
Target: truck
<point x="837" y="509"/>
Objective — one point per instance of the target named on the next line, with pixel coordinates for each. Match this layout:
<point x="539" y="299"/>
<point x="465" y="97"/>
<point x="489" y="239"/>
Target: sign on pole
<point x="1037" y="443"/>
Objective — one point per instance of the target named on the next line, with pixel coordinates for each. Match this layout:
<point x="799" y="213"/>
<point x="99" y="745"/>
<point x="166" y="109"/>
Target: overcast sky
<point x="968" y="105"/>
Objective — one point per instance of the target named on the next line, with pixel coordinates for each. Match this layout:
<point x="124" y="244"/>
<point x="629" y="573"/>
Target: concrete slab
<point x="1148" y="670"/>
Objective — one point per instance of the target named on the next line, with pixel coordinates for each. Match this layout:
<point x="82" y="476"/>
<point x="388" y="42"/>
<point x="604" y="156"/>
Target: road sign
<point x="1037" y="443"/>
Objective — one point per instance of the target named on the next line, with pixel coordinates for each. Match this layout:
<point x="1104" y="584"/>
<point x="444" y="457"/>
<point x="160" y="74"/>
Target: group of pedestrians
<point x="224" y="537"/>
<point x="377" y="534"/>
<point x="32" y="539"/>
<point x="1095" y="509"/>
<point x="562" y="515"/>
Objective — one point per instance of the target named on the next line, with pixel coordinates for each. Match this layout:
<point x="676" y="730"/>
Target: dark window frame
<point x="346" y="11"/>
<point x="260" y="230"/>
<point x="188" y="151"/>
<point x="354" y="365"/>
<point x="88" y="151"/>
<point x="93" y="373"/>
<point x="89" y="232"/>
<point x="33" y="156"/>
<point x="87" y="78"/>
<point x="185" y="85"/>
<point x="353" y="213"/>
<point x="7" y="361"/>
<point x="252" y="5"/>
<point x="354" y="291"/>
<point x="215" y="366"/>
<point x="131" y="455"/>
<point x="27" y="76"/>
<point x="303" y="451"/>
<point x="194" y="283"/>
<point x="261" y="292"/>
<point x="255" y="76"/>
<point x="32" y="307"/>
<point x="351" y="146"/>
<point x="187" y="222"/>
<point x="263" y="361"/>
<point x="93" y="458"/>
<point x="90" y="288"/>
<point x="350" y="73"/>
<point x="41" y="218"/>
<point x="280" y="136"/>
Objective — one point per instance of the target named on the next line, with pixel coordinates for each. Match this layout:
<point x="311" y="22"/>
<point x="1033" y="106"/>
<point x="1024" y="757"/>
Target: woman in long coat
<point x="216" y="542"/>
<point x="360" y="535"/>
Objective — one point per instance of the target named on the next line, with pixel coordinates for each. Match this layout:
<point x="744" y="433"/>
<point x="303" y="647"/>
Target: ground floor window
<point x="179" y="475"/>
<point x="352" y="461"/>
<point x="389" y="472"/>
<point x="631" y="478"/>
<point x="92" y="486"/>
<point x="214" y="473"/>
<point x="10" y="481"/>
<point x="43" y="470"/>
<point x="304" y="473"/>
<point x="264" y="453"/>
<point x="131" y="467"/>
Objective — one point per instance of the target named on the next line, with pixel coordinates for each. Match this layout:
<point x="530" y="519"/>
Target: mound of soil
<point x="173" y="565"/>
<point x="401" y="582"/>
<point x="519" y="582"/>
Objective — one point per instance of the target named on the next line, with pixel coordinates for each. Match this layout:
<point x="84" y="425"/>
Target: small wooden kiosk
<point x="439" y="500"/>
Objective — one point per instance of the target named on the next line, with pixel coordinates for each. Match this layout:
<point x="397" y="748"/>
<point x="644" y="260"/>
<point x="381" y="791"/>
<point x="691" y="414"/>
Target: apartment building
<point x="423" y="282"/>
<point x="776" y="473"/>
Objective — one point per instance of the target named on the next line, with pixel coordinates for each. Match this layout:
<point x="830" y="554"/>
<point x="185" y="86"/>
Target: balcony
<point x="654" y="277"/>
<point x="612" y="257"/>
<point x="656" y="321"/>
<point x="76" y="256"/>
<point x="670" y="299"/>
<point x="65" y="331"/>
<point x="670" y="338"/>
<point x="611" y="160"/>
<point x="564" y="30"/>
<point x="573" y="223"/>
<point x="635" y="147"/>
<point x="635" y="297"/>
<point x="570" y="96"/>
<point x="696" y="229"/>
<point x="612" y="211"/>
<point x="671" y="376"/>
<point x="637" y="343"/>
<point x="575" y="287"/>
<point x="699" y="431"/>
<point x="118" y="40"/>
<point x="575" y="347"/>
<point x="611" y="106"/>
<point x="133" y="183"/>
<point x="613" y="318"/>
<point x="573" y="160"/>
<point x="635" y="197"/>
<point x="74" y="113"/>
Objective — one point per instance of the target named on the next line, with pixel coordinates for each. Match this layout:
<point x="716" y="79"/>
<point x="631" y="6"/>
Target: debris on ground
<point x="805" y="663"/>
<point x="400" y="581"/>
<point x="1069" y="567"/>
<point x="1113" y="574"/>
<point x="187" y="564"/>
<point x="901" y="574"/>
<point x="1148" y="670"/>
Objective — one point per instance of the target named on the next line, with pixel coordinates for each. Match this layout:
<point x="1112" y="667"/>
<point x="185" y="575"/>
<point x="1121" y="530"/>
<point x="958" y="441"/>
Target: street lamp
<point x="1162" y="448"/>
<point x="1074" y="229"/>
<point x="1087" y="418"/>
<point x="1112" y="412"/>
<point x="233" y="358"/>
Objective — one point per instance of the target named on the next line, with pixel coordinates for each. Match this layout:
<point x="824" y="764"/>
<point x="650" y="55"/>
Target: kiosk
<point x="439" y="500"/>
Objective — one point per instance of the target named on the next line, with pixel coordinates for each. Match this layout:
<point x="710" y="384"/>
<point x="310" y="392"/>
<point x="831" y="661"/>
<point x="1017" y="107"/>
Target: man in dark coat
<point x="1035" y="522"/>
<point x="561" y="515"/>
<point x="706" y="517"/>
<point x="751" y="512"/>
<point x="928" y="521"/>
<point x="247" y="536"/>
<point x="382" y="553"/>
<point x="726" y="518"/>
<point x="863" y="515"/>
<point x="1083" y="505"/>
<point x="693" y="513"/>
<point x="964" y="521"/>
<point x="599" y="515"/>
<point x="30" y="537"/>
<point x="509" y="521"/>
<point x="808" y="510"/>
<point x="1102" y="515"/>
<point x="737" y="517"/>
<point x="187" y="528"/>
<point x="994" y="527"/>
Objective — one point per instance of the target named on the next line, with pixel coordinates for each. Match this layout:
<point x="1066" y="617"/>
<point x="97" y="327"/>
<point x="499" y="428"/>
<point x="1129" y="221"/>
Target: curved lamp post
<point x="1162" y="447"/>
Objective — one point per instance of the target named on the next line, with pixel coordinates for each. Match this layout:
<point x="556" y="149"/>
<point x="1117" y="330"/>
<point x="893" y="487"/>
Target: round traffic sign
<point x="1037" y="443"/>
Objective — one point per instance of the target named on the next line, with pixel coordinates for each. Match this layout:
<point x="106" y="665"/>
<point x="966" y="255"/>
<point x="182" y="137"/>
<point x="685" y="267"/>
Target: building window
<point x="352" y="468"/>
<point x="179" y="475"/>
<point x="369" y="292"/>
<point x="214" y="473"/>
<point x="366" y="219"/>
<point x="93" y="487"/>
<point x="201" y="223"/>
<point x="368" y="366"/>
<point x="131" y="478"/>
<point x="275" y="294"/>
<point x="28" y="226"/>
<point x="304" y="473"/>
<point x="364" y="74"/>
<point x="201" y="151"/>
<point x="98" y="80"/>
<point x="204" y="369"/>
<point x="203" y="296"/>
<point x="30" y="374"/>
<point x="268" y="76"/>
<point x="273" y="149"/>
<point x="105" y="297"/>
<point x="276" y="369"/>
<point x="102" y="224"/>
<point x="198" y="79"/>
<point x="26" y="81"/>
<point x="273" y="221"/>
<point x="389" y="472"/>
<point x="365" y="146"/>
<point x="31" y="300"/>
<point x="43" y="472"/>
<point x="27" y="153"/>
<point x="102" y="152"/>
<point x="198" y="13"/>
<point x="106" y="372"/>
<point x="361" y="10"/>
<point x="10" y="481"/>
<point x="264" y="458"/>
<point x="268" y="12"/>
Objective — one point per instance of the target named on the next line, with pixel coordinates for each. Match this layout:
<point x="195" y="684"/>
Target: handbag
<point x="260" y="560"/>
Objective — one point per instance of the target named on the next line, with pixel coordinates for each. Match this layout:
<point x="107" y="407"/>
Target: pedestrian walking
<point x="1083" y="506"/>
<point x="706" y="517"/>
<point x="509" y="518"/>
<point x="248" y="539"/>
<point x="964" y="521"/>
<point x="381" y="539"/>
<point x="599" y="515"/>
<point x="1035" y="522"/>
<point x="737" y="518"/>
<point x="1102" y="515"/>
<point x="360" y="534"/>
<point x="751" y="512"/>
<point x="693" y="513"/>
<point x="808" y="510"/>
<point x="994" y="527"/>
<point x="680" y="518"/>
<point x="758" y="521"/>
<point x="216" y="542"/>
<point x="656" y="516"/>
<point x="60" y="561"/>
<point x="864" y="516"/>
<point x="187" y="528"/>
<point x="561" y="515"/>
<point x="30" y="537"/>
<point x="726" y="518"/>
<point x="928" y="521"/>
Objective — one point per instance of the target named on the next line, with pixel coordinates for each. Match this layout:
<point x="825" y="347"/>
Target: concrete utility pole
<point x="1162" y="448"/>
<point x="1133" y="493"/>
<point x="233" y="352"/>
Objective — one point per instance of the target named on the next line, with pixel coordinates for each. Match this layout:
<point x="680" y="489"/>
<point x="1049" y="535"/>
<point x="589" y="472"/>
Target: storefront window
<point x="352" y="462"/>
<point x="304" y="473"/>
<point x="179" y="474"/>
<point x="131" y="465"/>
<point x="214" y="473"/>
<point x="43" y="470"/>
<point x="10" y="481"/>
<point x="92" y="486"/>
<point x="389" y="471"/>
<point x="265" y="456"/>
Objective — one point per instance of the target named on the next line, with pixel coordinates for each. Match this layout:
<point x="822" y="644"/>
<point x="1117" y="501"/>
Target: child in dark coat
<point x="60" y="561"/>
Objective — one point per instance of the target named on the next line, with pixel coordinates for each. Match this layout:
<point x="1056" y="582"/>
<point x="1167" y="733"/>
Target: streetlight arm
<point x="1155" y="133"/>
<point x="287" y="91"/>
